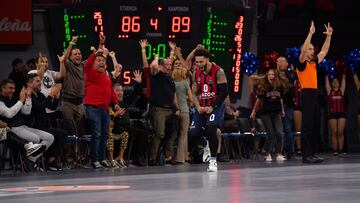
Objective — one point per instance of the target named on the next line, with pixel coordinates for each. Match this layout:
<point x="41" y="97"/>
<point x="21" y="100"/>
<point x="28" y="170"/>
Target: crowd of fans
<point x="176" y="109"/>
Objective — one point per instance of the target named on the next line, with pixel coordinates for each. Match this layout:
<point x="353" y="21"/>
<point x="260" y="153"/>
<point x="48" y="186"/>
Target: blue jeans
<point x="288" y="122"/>
<point x="98" y="120"/>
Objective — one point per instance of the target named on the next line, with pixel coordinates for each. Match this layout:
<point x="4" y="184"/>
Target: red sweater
<point x="98" y="86"/>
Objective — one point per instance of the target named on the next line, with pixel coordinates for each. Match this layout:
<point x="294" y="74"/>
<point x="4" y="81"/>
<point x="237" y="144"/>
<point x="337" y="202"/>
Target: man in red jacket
<point x="98" y="95"/>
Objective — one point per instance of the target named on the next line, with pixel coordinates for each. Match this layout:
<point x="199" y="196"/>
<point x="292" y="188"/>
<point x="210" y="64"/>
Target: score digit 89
<point x="180" y="24"/>
<point x="159" y="49"/>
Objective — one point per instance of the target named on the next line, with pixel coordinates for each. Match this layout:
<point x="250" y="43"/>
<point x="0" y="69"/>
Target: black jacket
<point x="38" y="118"/>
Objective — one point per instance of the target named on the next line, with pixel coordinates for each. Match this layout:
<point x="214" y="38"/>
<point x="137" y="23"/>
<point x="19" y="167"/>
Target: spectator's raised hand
<point x="106" y="51"/>
<point x="143" y="43"/>
<point x="74" y="39"/>
<point x="102" y="38"/>
<point x="112" y="54"/>
<point x="328" y="29"/>
<point x="93" y="49"/>
<point x="172" y="45"/>
<point x="99" y="52"/>
<point x="312" y="28"/>
<point x="61" y="58"/>
<point x="178" y="51"/>
<point x="137" y="76"/>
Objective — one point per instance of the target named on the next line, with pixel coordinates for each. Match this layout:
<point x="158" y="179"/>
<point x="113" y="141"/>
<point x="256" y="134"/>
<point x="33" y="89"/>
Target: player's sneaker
<point x="33" y="148"/>
<point x="212" y="165"/>
<point x="206" y="154"/>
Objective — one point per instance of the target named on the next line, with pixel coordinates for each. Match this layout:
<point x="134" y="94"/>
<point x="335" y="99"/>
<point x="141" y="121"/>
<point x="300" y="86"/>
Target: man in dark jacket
<point x="38" y="117"/>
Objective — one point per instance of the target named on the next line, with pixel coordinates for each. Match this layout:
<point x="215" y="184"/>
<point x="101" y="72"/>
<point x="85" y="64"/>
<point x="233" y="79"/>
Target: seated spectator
<point x="38" y="119"/>
<point x="16" y="142"/>
<point x="12" y="110"/>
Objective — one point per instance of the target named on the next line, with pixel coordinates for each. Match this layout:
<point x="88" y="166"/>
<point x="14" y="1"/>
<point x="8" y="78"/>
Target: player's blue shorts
<point x="200" y="121"/>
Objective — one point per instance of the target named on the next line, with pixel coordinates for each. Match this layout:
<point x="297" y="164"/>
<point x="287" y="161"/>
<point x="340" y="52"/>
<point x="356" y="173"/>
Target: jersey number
<point x="212" y="117"/>
<point x="206" y="88"/>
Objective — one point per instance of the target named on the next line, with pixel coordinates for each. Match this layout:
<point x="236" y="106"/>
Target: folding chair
<point x="7" y="155"/>
<point x="227" y="138"/>
<point x="246" y="134"/>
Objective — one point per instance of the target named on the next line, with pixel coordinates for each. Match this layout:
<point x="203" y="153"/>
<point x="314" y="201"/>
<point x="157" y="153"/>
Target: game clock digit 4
<point x="224" y="31"/>
<point x="148" y="21"/>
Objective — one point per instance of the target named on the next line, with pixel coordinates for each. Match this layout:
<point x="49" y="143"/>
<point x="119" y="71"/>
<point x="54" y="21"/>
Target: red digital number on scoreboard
<point x="154" y="23"/>
<point x="99" y="27"/>
<point x="127" y="77"/>
<point x="180" y="24"/>
<point x="130" y="24"/>
<point x="237" y="55"/>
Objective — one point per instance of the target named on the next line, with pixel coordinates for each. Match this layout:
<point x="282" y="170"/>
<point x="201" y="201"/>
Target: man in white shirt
<point x="47" y="76"/>
<point x="12" y="110"/>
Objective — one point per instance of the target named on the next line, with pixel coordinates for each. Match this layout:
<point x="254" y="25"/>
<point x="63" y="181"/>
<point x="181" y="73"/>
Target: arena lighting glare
<point x="225" y="32"/>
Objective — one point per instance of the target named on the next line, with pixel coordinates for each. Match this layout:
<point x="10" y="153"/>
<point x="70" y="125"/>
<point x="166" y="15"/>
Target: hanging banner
<point x="16" y="26"/>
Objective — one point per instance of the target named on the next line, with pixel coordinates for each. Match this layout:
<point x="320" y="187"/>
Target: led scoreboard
<point x="154" y="21"/>
<point x="225" y="31"/>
